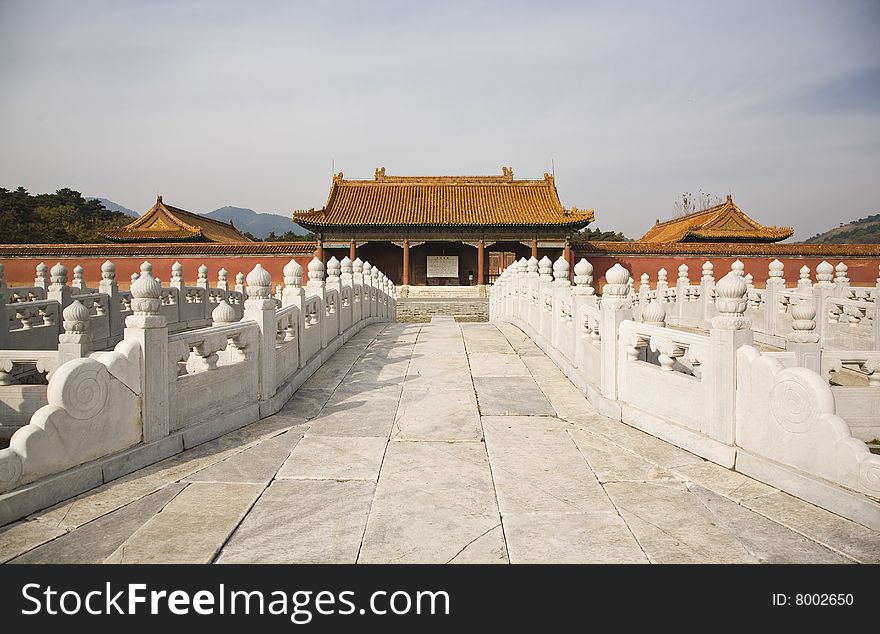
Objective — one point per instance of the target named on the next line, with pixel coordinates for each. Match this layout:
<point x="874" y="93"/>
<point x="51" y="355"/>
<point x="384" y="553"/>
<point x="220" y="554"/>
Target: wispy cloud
<point x="248" y="103"/>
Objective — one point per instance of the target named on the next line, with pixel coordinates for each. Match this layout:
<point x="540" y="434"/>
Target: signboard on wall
<point x="442" y="266"/>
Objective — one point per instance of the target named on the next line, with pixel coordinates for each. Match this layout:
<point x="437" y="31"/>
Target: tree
<point x="597" y="235"/>
<point x="62" y="217"/>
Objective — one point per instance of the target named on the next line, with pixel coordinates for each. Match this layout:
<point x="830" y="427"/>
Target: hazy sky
<point x="247" y="103"/>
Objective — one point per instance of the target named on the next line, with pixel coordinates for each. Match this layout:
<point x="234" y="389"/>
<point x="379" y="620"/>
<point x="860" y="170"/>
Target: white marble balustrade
<point x="157" y="391"/>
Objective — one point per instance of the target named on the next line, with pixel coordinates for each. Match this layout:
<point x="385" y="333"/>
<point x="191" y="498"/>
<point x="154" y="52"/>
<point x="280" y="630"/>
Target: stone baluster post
<point x="150" y="330"/>
<point x="223" y="314"/>
<point x="42" y="278"/>
<point x="177" y="279"/>
<point x="533" y="313"/>
<point x="707" y="293"/>
<point x="775" y="283"/>
<point x="58" y="288"/>
<point x="78" y="285"/>
<point x="334" y="273"/>
<point x="582" y="294"/>
<point x="368" y="291"/>
<point x="583" y="278"/>
<point x="803" y="339"/>
<point x="532" y="268"/>
<point x="841" y="281"/>
<point x="293" y="295"/>
<point x="357" y="280"/>
<point x="561" y="289"/>
<point x="223" y="280"/>
<point x="615" y="307"/>
<point x="239" y="283"/>
<point x="644" y="289"/>
<point x="260" y="307"/>
<point x="681" y="292"/>
<point x="108" y="286"/>
<point x="662" y="285"/>
<point x="75" y="342"/>
<point x="750" y="287"/>
<point x="738" y="268"/>
<point x="202" y="281"/>
<point x="804" y="285"/>
<point x="822" y="290"/>
<point x="345" y="271"/>
<point x="654" y="314"/>
<point x="731" y="329"/>
<point x="316" y="286"/>
<point x="374" y="291"/>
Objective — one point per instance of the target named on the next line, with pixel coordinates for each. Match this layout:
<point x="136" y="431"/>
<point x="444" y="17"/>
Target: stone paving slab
<point x="538" y="468"/>
<point x="727" y="482"/>
<point x="192" y="527"/>
<point x="854" y="540"/>
<point x="431" y="413"/>
<point x="571" y="538"/>
<point x="496" y="364"/>
<point x="97" y="540"/>
<point x="611" y="463"/>
<point x="335" y="458"/>
<point x="673" y="526"/>
<point x="766" y="540"/>
<point x="433" y="501"/>
<point x="512" y="396"/>
<point x="303" y="522"/>
<point x="259" y="464"/>
<point x="25" y="535"/>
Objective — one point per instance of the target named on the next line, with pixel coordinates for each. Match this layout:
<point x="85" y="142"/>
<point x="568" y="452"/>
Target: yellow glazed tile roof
<point x="722" y="223"/>
<point x="400" y="201"/>
<point x="164" y="223"/>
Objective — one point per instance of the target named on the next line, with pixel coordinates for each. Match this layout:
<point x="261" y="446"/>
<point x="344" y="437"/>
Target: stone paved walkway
<point x="438" y="442"/>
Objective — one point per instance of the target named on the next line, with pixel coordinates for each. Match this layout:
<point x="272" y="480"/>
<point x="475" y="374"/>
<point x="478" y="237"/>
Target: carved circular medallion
<point x="869" y="474"/>
<point x="84" y="392"/>
<point x="10" y="469"/>
<point x="791" y="405"/>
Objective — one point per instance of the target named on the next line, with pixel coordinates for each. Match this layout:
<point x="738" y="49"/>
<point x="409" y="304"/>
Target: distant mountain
<point x="112" y="206"/>
<point x="862" y="231"/>
<point x="255" y="223"/>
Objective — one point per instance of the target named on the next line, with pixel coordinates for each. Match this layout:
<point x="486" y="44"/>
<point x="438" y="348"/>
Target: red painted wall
<point x="21" y="271"/>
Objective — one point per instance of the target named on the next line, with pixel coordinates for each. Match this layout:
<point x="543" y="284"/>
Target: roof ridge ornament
<point x="507" y="172"/>
<point x="380" y="173"/>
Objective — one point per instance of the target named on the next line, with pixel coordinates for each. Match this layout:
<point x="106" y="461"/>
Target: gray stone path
<point x="438" y="442"/>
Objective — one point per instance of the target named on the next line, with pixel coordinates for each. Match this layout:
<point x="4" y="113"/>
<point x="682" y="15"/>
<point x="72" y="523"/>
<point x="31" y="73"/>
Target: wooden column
<point x="534" y="248"/>
<point x="566" y="253"/>
<point x="319" y="252"/>
<point x="405" y="262"/>
<point x="352" y="251"/>
<point x="481" y="262"/>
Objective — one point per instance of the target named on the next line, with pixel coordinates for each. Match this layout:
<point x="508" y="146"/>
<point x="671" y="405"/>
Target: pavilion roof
<point x="420" y="201"/>
<point x="164" y="223"/>
<point x="722" y="223"/>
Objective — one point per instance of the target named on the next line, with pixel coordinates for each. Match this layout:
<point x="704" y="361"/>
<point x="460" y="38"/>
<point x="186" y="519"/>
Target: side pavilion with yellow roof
<point x="438" y="230"/>
<point x="164" y="223"/>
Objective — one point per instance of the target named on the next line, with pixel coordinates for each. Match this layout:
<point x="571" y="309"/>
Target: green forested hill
<point x="862" y="231"/>
<point x="64" y="217"/>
